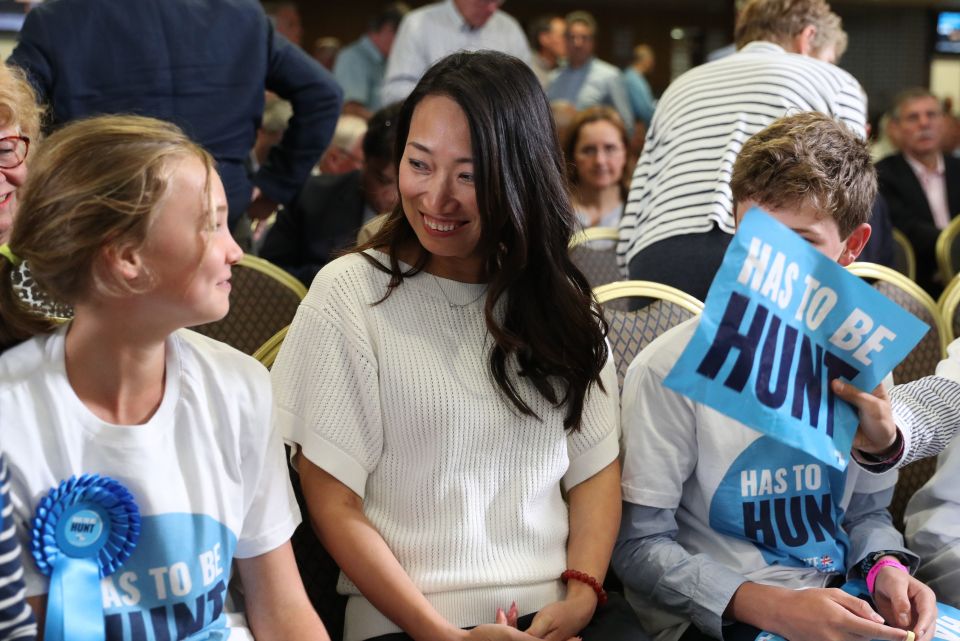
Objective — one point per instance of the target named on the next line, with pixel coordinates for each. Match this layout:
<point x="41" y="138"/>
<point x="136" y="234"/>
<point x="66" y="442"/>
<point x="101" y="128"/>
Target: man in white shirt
<point x="429" y="33"/>
<point x="921" y="185"/>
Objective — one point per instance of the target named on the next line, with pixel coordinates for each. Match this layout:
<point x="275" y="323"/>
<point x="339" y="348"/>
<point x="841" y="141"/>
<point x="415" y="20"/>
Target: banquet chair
<point x="949" y="305"/>
<point x="631" y="331"/>
<point x="263" y="300"/>
<point x="318" y="571"/>
<point x="948" y="250"/>
<point x="594" y="252"/>
<point x="267" y="353"/>
<point x="923" y="359"/>
<point x="904" y="258"/>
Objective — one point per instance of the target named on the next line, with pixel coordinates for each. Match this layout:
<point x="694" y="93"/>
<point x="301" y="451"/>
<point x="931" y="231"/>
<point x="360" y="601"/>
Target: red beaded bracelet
<point x="583" y="577"/>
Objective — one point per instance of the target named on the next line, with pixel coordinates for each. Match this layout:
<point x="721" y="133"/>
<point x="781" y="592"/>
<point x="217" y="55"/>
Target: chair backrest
<point x="911" y="478"/>
<point x="948" y="250"/>
<point x="318" y="571"/>
<point x="949" y="304"/>
<point x="594" y="252"/>
<point x="922" y="360"/>
<point x="267" y="353"/>
<point x="263" y="300"/>
<point x="631" y="331"/>
<point x="904" y="258"/>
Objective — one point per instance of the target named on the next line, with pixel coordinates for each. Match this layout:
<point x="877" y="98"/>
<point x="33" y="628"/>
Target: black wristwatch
<point x="869" y="560"/>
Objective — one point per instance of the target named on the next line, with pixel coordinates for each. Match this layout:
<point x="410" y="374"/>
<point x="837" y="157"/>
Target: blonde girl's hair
<point x="18" y="102"/>
<point x="94" y="183"/>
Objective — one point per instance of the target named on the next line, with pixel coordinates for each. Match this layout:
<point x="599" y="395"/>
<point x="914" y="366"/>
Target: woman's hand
<point x="504" y="629"/>
<point x="562" y="620"/>
<point x="496" y="632"/>
<point x="820" y="614"/>
<point x="905" y="602"/>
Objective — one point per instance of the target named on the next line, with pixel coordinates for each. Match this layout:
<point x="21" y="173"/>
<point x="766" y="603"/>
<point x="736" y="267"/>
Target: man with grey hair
<point x="679" y="213"/>
<point x="345" y="153"/>
<point x="921" y="184"/>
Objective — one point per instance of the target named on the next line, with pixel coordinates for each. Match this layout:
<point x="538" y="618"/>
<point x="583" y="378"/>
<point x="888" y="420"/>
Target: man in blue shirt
<point x="202" y="64"/>
<point x="638" y="88"/>
<point x="587" y="81"/>
<point x="360" y="66"/>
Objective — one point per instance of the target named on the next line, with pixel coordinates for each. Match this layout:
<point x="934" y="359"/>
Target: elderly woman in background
<point x="596" y="153"/>
<point x="19" y="125"/>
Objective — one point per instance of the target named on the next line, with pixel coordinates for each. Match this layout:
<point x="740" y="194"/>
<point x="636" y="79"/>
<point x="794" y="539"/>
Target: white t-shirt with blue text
<point x="206" y="470"/>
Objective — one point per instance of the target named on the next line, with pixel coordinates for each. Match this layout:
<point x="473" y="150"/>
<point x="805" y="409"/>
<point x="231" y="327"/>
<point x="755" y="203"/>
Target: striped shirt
<point x="16" y="619"/>
<point x="682" y="181"/>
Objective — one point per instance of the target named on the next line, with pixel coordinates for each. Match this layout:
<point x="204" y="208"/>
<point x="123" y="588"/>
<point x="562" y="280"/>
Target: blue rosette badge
<point x="83" y="530"/>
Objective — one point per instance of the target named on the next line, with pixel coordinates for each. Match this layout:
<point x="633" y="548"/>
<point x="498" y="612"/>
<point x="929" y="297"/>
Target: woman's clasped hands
<point x="558" y="621"/>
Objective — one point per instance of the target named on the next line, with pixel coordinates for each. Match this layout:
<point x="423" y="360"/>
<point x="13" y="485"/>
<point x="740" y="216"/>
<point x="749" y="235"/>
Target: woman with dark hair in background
<point x="449" y="378"/>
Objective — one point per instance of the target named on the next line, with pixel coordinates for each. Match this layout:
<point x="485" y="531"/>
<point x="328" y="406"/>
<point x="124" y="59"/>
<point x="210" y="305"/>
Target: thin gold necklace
<point x="450" y="302"/>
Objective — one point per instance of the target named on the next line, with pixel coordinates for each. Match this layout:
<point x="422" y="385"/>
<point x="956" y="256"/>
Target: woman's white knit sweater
<point x="397" y="402"/>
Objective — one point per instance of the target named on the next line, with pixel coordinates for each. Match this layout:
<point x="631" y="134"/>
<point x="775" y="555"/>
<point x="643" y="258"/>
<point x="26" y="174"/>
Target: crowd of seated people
<point x="446" y="389"/>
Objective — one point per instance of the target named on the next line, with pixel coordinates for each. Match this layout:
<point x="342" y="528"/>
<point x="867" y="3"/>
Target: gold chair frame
<point x="594" y="233"/>
<point x="881" y="272"/>
<point x="949" y="300"/>
<point x="942" y="251"/>
<point x="267" y="353"/>
<point x="264" y="299"/>
<point x="268" y="268"/>
<point x="901" y="239"/>
<point x="647" y="289"/>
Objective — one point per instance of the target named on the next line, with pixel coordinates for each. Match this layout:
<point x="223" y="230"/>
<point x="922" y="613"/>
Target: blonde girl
<point x="124" y="219"/>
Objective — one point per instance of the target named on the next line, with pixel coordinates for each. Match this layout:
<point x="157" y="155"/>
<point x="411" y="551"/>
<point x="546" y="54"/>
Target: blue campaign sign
<point x="782" y="320"/>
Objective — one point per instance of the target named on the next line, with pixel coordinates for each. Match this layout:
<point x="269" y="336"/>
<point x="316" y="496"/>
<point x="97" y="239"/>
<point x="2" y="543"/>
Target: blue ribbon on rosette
<point x="83" y="530"/>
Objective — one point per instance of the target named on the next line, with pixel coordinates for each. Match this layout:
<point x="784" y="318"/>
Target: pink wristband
<point x="882" y="563"/>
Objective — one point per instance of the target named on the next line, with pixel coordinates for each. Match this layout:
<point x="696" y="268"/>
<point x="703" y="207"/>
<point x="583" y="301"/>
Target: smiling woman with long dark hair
<point x="446" y="381"/>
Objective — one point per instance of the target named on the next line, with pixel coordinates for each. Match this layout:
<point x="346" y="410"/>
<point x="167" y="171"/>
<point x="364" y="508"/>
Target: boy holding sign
<point x="735" y="530"/>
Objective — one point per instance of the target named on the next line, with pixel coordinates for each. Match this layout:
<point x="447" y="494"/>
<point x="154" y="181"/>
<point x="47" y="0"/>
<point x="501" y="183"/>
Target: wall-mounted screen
<point x="947" y="37"/>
